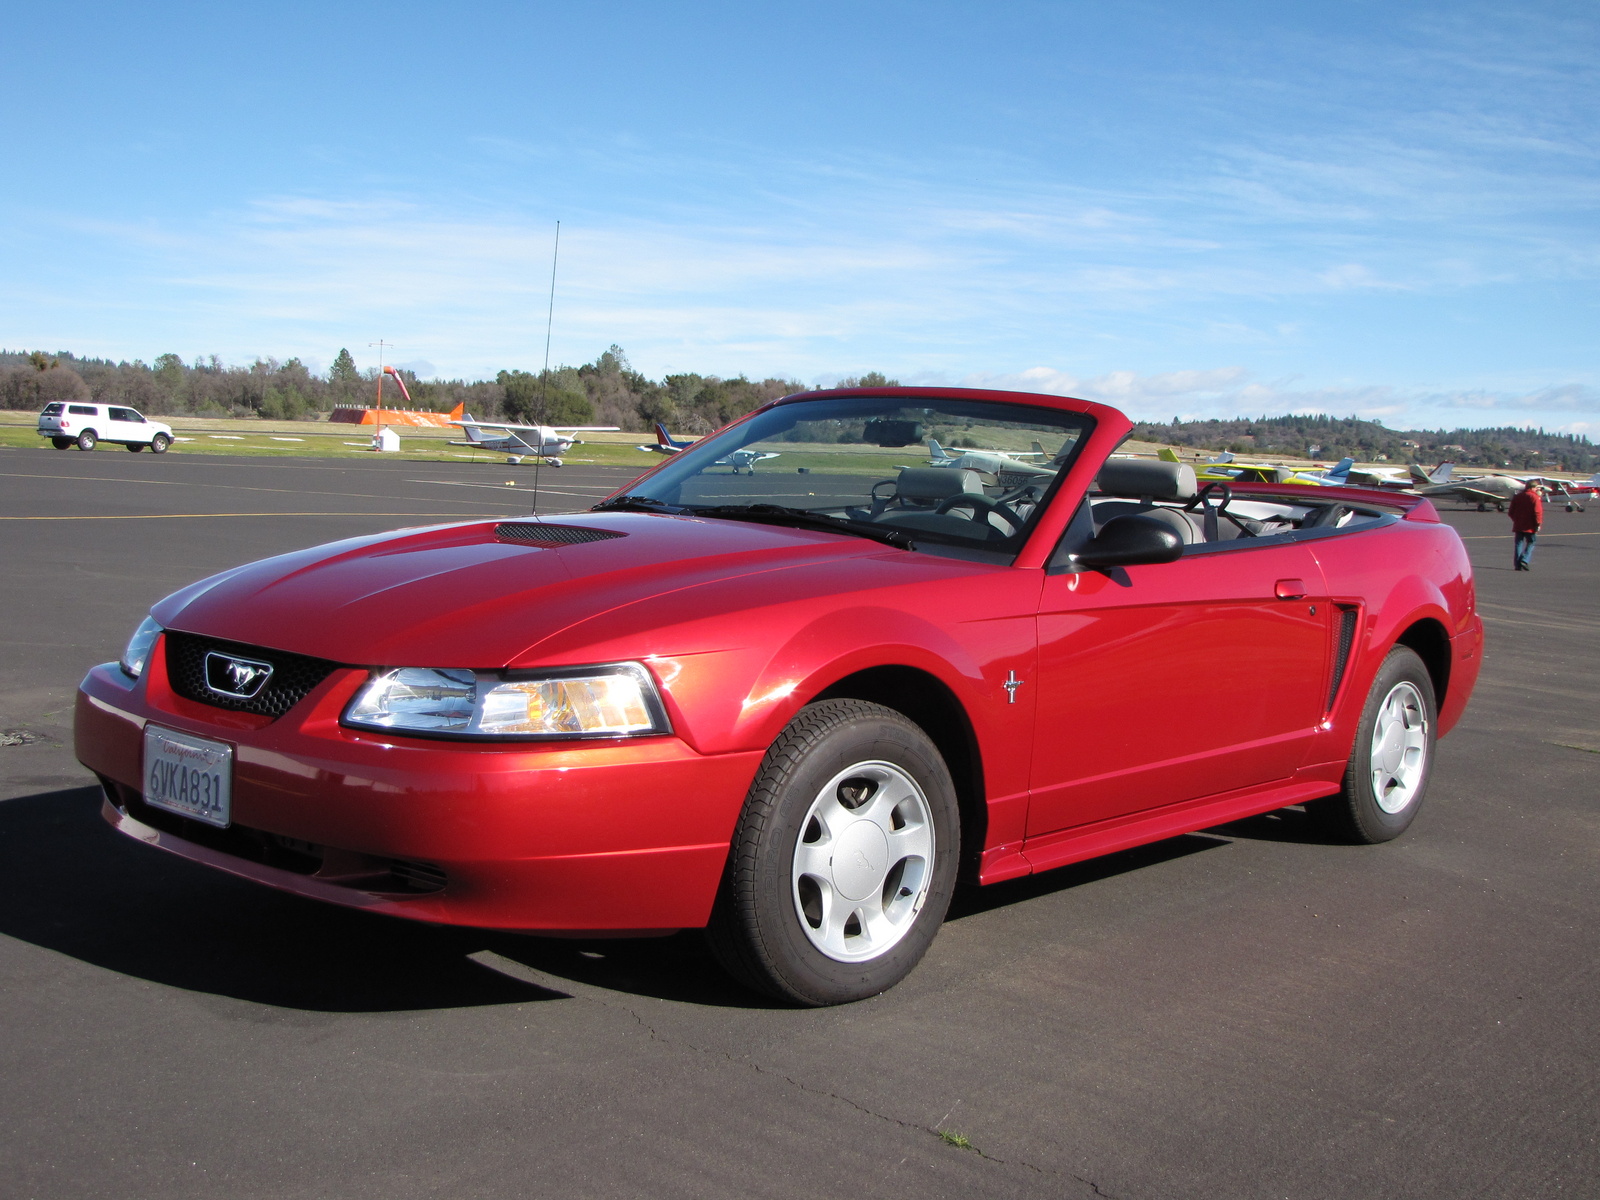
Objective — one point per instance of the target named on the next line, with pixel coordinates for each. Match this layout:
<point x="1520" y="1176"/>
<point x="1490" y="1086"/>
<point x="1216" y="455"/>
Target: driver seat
<point x="1136" y="484"/>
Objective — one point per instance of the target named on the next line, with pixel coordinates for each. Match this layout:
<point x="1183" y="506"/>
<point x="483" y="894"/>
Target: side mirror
<point x="1132" y="541"/>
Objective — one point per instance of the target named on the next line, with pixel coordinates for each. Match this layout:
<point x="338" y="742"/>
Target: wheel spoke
<point x="814" y="859"/>
<point x="845" y="860"/>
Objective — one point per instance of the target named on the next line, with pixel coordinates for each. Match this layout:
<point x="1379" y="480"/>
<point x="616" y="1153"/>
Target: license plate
<point x="188" y="775"/>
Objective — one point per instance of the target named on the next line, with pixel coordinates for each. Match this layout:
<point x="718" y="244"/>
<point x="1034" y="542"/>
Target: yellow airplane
<point x="1225" y="470"/>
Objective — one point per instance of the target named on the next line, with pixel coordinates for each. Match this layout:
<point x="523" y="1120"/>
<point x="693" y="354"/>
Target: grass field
<point x="319" y="439"/>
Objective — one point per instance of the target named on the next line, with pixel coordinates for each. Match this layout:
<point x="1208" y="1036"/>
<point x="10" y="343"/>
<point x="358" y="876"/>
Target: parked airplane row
<point x="1016" y="469"/>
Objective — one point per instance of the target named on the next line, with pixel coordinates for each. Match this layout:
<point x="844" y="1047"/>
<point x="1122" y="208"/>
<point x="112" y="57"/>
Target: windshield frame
<point x="1070" y="423"/>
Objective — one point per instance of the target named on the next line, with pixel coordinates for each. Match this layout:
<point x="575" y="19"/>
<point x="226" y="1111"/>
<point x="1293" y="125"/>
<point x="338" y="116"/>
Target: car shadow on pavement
<point x="1280" y="825"/>
<point x="71" y="884"/>
<point x="971" y="900"/>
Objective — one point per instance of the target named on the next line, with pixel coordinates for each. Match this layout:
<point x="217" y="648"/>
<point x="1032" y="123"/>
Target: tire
<point x="159" y="443"/>
<point x="87" y="440"/>
<point x="134" y="446"/>
<point x="60" y="443"/>
<point x="1387" y="776"/>
<point x="795" y="922"/>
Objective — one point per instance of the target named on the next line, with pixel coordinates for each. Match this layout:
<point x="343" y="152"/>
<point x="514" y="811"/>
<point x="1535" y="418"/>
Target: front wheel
<point x="844" y="859"/>
<point x="159" y="443"/>
<point x="1387" y="775"/>
<point x="87" y="440"/>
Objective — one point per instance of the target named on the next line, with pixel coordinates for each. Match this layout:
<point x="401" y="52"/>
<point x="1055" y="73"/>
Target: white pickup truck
<point x="85" y="425"/>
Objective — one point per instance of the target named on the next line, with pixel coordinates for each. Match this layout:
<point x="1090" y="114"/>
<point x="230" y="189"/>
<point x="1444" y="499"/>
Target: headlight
<point x="139" y="646"/>
<point x="616" y="700"/>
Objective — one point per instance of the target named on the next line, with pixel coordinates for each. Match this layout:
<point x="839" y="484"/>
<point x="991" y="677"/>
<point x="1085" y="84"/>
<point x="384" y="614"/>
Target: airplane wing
<point x="514" y="428"/>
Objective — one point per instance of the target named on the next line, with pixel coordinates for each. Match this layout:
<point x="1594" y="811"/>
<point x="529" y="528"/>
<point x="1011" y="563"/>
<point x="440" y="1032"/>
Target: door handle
<point x="1291" y="589"/>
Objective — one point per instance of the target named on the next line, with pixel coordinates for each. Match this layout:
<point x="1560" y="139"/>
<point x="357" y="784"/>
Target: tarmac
<point x="1244" y="1012"/>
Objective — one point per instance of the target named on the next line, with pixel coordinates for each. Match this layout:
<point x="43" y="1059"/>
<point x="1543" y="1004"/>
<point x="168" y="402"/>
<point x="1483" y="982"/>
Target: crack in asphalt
<point x="587" y="992"/>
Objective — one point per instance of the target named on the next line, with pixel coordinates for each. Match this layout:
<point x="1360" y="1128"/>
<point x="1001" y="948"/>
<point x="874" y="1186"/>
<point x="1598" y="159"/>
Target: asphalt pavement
<point x="1244" y="1012"/>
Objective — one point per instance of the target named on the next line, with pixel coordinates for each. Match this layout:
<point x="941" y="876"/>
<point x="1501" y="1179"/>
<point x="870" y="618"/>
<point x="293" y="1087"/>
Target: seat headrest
<point x="936" y="483"/>
<point x="1147" y="477"/>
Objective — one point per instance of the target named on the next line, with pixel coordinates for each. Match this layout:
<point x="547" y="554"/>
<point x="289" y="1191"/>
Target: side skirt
<point x="1065" y="846"/>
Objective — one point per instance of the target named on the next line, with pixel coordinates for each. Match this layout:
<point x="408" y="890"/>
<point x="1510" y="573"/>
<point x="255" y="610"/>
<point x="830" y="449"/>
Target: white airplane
<point x="1484" y="490"/>
<point x="1009" y="469"/>
<point x="665" y="443"/>
<point x="744" y="460"/>
<point x="739" y="460"/>
<point x="545" y="441"/>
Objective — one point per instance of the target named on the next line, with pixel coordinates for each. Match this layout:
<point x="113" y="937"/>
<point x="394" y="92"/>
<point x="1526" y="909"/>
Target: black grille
<point x="293" y="675"/>
<point x="536" y="534"/>
<point x="1341" y="656"/>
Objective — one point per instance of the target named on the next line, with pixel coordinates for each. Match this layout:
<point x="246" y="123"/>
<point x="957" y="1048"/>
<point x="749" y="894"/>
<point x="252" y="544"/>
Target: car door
<point x="1172" y="681"/>
<point x="125" y="425"/>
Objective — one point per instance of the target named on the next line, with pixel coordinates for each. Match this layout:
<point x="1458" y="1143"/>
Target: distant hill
<point x="1329" y="438"/>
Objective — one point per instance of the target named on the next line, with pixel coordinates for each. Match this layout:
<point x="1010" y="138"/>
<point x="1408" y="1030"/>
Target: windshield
<point x="949" y="475"/>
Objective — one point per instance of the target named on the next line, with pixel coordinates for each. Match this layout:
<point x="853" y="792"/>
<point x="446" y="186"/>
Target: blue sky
<point x="1380" y="208"/>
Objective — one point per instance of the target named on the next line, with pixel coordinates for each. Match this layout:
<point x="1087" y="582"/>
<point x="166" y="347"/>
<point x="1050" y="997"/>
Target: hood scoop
<point x="534" y="533"/>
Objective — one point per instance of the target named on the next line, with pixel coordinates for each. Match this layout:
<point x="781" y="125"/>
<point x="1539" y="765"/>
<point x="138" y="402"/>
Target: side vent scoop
<point x="532" y="533"/>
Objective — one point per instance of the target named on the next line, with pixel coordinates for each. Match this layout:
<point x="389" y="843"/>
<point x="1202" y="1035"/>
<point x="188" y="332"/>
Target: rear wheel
<point x="844" y="859"/>
<point x="87" y="440"/>
<point x="134" y="446"/>
<point x="60" y="443"/>
<point x="1387" y="775"/>
<point x="159" y="443"/>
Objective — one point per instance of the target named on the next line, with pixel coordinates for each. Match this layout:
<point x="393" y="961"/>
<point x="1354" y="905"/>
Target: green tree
<point x="343" y="371"/>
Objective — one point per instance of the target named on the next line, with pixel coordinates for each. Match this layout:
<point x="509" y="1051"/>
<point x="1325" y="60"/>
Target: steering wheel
<point x="981" y="507"/>
<point x="1245" y="525"/>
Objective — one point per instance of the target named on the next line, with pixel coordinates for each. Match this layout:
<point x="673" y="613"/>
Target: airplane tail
<point x="1442" y="473"/>
<point x="1339" y="472"/>
<point x="459" y="411"/>
<point x="470" y="428"/>
<point x="666" y="441"/>
<point x="1168" y="454"/>
<point x="937" y="452"/>
<point x="1226" y="456"/>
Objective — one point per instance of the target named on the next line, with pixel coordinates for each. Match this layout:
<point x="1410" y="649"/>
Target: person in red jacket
<point x="1527" y="514"/>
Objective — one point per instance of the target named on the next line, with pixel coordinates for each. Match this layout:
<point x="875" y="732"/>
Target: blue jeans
<point x="1522" y="552"/>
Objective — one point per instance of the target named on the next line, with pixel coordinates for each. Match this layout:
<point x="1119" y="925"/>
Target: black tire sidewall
<point x="785" y="788"/>
<point x="1371" y="822"/>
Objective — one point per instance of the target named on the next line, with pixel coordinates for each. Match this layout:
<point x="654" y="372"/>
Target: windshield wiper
<point x="804" y="518"/>
<point x="637" y="504"/>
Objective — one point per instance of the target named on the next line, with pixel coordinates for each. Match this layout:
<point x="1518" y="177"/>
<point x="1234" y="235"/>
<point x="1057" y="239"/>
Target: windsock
<point x="401" y="382"/>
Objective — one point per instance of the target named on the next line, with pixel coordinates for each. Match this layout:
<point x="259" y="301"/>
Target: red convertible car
<point x="794" y="708"/>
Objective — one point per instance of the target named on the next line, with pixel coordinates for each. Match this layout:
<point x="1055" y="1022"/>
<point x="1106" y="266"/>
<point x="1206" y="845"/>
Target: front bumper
<point x="625" y="835"/>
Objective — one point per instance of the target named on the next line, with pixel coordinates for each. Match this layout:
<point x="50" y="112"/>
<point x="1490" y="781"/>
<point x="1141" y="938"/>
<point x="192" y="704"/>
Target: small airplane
<point x="665" y="443"/>
<point x="1009" y="469"/>
<point x="544" y="441"/>
<point x="739" y="460"/>
<point x="1224" y="469"/>
<point x="1484" y="490"/>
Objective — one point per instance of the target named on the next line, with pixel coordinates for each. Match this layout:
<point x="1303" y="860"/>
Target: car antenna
<point x="544" y="376"/>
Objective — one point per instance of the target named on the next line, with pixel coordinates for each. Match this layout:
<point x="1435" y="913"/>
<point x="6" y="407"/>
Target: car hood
<point x="460" y="596"/>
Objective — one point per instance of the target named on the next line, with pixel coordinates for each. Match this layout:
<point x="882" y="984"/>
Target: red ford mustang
<point x="794" y="707"/>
